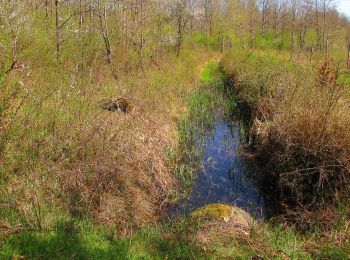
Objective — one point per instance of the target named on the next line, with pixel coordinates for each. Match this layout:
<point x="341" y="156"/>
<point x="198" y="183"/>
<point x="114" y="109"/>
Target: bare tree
<point x="15" y="19"/>
<point x="294" y="18"/>
<point x="265" y="6"/>
<point x="208" y="7"/>
<point x="180" y="12"/>
<point x="81" y="15"/>
<point x="252" y="17"/>
<point x="58" y="29"/>
<point x="318" y="34"/>
<point x="102" y="15"/>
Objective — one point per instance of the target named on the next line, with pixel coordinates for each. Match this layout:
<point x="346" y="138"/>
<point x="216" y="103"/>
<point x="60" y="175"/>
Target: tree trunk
<point x="324" y="23"/>
<point x="14" y="47"/>
<point x="208" y="17"/>
<point x="318" y="37"/>
<point x="275" y="19"/>
<point x="293" y="27"/>
<point x="311" y="54"/>
<point x="104" y="33"/>
<point x="265" y="6"/>
<point x="251" y="24"/>
<point x="159" y="33"/>
<point x="179" y="35"/>
<point x="141" y="34"/>
<point x="91" y="10"/>
<point x="81" y="17"/>
<point x="47" y="11"/>
<point x="58" y="30"/>
<point x="327" y="47"/>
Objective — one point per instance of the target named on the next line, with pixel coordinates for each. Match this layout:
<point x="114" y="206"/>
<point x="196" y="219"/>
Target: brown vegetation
<point x="60" y="153"/>
<point x="301" y="127"/>
<point x="112" y="167"/>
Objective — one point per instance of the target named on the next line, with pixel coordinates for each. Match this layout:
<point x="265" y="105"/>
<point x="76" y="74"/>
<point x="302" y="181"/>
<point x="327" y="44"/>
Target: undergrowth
<point x="61" y="153"/>
<point x="299" y="123"/>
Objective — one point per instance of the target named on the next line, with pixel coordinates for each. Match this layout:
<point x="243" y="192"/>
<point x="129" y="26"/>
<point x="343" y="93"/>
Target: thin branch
<point x="71" y="16"/>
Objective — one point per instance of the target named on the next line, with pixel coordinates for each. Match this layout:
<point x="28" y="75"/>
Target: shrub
<point x="300" y="119"/>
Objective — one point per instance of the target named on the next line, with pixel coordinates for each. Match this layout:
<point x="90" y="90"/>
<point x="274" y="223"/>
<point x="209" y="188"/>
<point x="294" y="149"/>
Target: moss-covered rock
<point x="223" y="212"/>
<point x="213" y="211"/>
<point x="216" y="223"/>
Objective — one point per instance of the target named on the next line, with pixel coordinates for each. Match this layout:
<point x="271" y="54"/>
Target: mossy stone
<point x="214" y="211"/>
<point x="222" y="212"/>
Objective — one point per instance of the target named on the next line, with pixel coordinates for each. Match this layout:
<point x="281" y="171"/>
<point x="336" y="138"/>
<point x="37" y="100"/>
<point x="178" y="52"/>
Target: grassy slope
<point x="300" y="118"/>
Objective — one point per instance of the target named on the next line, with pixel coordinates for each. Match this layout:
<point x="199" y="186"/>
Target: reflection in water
<point x="226" y="175"/>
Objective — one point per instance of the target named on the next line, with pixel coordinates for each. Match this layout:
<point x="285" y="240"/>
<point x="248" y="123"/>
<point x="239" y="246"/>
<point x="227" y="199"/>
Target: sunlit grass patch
<point x="212" y="73"/>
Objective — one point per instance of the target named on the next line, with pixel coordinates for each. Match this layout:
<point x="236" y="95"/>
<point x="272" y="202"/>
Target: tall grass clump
<point x="300" y="120"/>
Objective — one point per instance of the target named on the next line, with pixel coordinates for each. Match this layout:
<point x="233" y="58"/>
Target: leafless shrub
<point x="301" y="124"/>
<point x="311" y="139"/>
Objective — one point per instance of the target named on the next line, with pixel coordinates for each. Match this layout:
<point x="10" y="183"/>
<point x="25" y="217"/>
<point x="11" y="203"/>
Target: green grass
<point x="332" y="252"/>
<point x="203" y="39"/>
<point x="77" y="239"/>
<point x="80" y="239"/>
<point x="213" y="75"/>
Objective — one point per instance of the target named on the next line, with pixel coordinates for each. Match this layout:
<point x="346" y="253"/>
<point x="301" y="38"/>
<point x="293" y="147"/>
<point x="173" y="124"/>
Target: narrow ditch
<point x="226" y="173"/>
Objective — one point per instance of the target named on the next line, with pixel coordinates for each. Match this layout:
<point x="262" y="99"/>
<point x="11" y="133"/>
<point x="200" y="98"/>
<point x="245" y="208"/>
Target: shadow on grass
<point x="72" y="240"/>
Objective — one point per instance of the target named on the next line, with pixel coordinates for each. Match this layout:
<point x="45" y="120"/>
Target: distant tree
<point x="180" y="13"/>
<point x="264" y="6"/>
<point x="102" y="17"/>
<point x="208" y="14"/>
<point x="253" y="15"/>
<point x="293" y="25"/>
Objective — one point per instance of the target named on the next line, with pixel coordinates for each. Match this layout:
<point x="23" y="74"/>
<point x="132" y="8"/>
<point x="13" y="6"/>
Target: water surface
<point x="227" y="175"/>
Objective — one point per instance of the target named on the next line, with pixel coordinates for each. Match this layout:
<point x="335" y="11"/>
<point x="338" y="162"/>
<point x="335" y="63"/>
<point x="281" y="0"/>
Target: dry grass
<point x="300" y="118"/>
<point x="64" y="155"/>
<point x="315" y="135"/>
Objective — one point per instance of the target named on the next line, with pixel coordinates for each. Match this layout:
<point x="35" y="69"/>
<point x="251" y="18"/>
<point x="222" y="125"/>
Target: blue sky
<point x="344" y="7"/>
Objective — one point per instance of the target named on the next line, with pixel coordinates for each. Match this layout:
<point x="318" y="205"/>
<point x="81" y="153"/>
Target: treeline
<point x="130" y="34"/>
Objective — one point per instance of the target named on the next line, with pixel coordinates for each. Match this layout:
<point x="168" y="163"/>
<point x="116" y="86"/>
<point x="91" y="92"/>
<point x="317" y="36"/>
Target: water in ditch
<point x="227" y="174"/>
